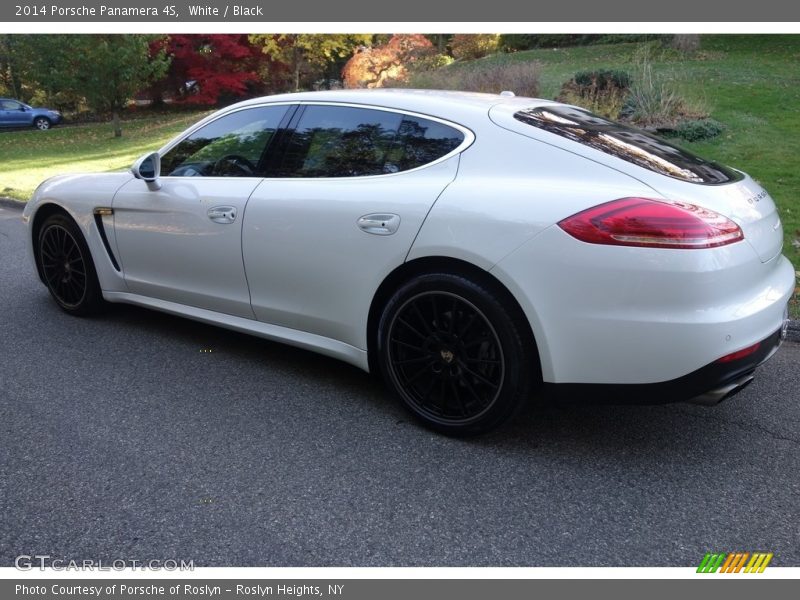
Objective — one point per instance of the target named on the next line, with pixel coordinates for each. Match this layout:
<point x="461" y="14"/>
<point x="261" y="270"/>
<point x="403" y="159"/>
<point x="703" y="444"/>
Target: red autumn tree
<point x="372" y="67"/>
<point x="210" y="68"/>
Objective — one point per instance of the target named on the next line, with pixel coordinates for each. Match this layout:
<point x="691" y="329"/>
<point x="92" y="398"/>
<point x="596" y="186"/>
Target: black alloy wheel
<point x="66" y="266"/>
<point x="454" y="355"/>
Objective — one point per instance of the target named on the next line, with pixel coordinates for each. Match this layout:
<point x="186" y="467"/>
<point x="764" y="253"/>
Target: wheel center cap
<point x="447" y="355"/>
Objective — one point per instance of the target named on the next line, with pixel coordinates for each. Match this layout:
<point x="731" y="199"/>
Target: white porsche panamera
<point x="474" y="249"/>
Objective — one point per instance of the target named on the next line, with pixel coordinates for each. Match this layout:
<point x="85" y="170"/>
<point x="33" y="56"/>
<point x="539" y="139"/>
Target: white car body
<point x="295" y="267"/>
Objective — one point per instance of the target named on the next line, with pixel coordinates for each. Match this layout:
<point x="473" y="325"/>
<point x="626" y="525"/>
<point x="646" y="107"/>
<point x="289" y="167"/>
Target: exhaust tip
<point x="715" y="396"/>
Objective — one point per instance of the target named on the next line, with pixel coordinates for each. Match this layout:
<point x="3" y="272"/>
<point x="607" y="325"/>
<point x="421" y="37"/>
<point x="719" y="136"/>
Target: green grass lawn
<point x="751" y="84"/>
<point x="27" y="157"/>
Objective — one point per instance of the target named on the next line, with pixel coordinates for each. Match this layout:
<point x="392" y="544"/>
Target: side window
<point x="231" y="146"/>
<point x="419" y="142"/>
<point x="339" y="141"/>
<point x="10" y="105"/>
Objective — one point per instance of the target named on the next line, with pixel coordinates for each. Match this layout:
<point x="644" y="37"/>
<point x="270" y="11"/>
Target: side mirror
<point x="148" y="169"/>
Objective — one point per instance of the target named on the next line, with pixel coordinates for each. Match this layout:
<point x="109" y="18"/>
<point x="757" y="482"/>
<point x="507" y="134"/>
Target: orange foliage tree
<point x="373" y="67"/>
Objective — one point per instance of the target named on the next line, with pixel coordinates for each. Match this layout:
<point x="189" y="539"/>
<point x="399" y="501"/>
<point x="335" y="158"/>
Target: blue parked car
<point x="14" y="113"/>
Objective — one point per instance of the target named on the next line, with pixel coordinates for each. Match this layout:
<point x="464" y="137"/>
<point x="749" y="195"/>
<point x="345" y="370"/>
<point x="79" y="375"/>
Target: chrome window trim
<point x="469" y="137"/>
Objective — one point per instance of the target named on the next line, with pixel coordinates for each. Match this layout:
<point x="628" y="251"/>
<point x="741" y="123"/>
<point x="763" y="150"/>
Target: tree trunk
<point x="686" y="42"/>
<point x="117" y="124"/>
<point x="296" y="70"/>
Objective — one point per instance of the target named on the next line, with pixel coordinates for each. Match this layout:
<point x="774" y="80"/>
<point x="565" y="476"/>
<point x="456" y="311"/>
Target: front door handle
<point x="379" y="223"/>
<point x="222" y="214"/>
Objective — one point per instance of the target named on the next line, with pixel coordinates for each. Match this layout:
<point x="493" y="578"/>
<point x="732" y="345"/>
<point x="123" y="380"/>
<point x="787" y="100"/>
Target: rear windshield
<point x="627" y="143"/>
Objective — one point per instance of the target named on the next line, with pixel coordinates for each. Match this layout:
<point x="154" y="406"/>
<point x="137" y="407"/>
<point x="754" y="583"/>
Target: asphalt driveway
<point x="144" y="436"/>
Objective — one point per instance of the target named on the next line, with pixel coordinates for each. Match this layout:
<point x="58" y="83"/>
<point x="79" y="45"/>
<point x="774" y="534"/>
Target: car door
<point x="19" y="115"/>
<point x="182" y="243"/>
<point x="340" y="210"/>
<point x="13" y="114"/>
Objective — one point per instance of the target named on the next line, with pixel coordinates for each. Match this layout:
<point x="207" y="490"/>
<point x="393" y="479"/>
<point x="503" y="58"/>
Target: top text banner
<point x="429" y="11"/>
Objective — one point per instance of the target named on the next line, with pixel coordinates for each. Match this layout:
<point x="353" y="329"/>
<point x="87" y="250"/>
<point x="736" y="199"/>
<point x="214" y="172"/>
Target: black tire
<point x="456" y="354"/>
<point x="66" y="266"/>
<point x="42" y="123"/>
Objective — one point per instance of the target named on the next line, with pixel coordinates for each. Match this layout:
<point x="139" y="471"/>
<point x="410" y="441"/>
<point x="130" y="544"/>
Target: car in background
<point x="14" y="113"/>
<point x="471" y="248"/>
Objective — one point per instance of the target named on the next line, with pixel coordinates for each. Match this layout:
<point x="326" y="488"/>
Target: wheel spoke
<point x="476" y="342"/>
<point x="421" y="317"/>
<point x="443" y="396"/>
<point x="457" y="396"/>
<point x="471" y="389"/>
<point x="410" y="361"/>
<point x="411" y="328"/>
<point x="48" y="241"/>
<point x="435" y="313"/>
<point x="417" y="374"/>
<point x="452" y="324"/>
<point x="484" y="361"/>
<point x="478" y="376"/>
<point x="466" y="327"/>
<point x="409" y="346"/>
<point x="46" y="253"/>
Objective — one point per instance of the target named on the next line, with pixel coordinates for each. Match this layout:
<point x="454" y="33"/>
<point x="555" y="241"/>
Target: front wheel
<point x="456" y="354"/>
<point x="66" y="266"/>
<point x="42" y="123"/>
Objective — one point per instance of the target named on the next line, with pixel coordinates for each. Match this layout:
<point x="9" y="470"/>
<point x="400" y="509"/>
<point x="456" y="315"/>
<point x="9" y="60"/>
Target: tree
<point x="114" y="67"/>
<point x="373" y="67"/>
<point x="308" y="52"/>
<point x="105" y="70"/>
<point x="215" y="67"/>
<point x="10" y="82"/>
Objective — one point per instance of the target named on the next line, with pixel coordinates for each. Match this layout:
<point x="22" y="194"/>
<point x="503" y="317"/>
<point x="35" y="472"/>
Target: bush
<point x="431" y="62"/>
<point x="697" y="130"/>
<point x="604" y="79"/>
<point x="602" y="92"/>
<point x="520" y="77"/>
<point x="655" y="102"/>
<point x="472" y="46"/>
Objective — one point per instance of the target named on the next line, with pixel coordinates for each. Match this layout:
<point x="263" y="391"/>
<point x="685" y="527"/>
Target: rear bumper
<point x="708" y="385"/>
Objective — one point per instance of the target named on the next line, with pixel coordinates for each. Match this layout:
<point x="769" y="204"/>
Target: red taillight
<point x="652" y="224"/>
<point x="739" y="353"/>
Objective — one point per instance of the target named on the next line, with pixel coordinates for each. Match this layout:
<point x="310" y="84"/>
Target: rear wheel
<point x="455" y="354"/>
<point x="42" y="123"/>
<point x="66" y="266"/>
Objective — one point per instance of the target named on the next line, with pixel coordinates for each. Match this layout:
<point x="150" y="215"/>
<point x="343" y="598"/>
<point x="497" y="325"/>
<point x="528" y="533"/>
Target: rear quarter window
<point x="628" y="143"/>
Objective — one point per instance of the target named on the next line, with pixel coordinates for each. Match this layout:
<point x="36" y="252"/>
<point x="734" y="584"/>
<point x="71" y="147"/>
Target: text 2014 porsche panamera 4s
<point x="474" y="249"/>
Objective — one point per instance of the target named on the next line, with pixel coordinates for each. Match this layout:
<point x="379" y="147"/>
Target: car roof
<point x="442" y="103"/>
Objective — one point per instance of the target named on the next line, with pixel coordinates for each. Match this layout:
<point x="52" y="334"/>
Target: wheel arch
<point x="439" y="264"/>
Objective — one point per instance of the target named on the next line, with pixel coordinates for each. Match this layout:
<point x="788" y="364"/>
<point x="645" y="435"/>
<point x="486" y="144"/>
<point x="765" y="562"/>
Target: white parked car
<point x="475" y="249"/>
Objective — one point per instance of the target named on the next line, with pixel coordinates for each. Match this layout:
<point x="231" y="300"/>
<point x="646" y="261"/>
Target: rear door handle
<point x="222" y="214"/>
<point x="379" y="223"/>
